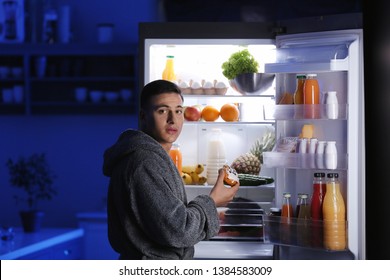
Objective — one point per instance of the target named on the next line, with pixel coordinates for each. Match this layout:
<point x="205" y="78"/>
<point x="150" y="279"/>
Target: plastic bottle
<point x="320" y="150"/>
<point x="50" y="19"/>
<point x="311" y="97"/>
<point x="169" y="70"/>
<point x="216" y="156"/>
<point x="176" y="156"/>
<point x="317" y="199"/>
<point x="312" y="151"/>
<point x="298" y="94"/>
<point x="333" y="210"/>
<point x="332" y="105"/>
<point x="330" y="156"/>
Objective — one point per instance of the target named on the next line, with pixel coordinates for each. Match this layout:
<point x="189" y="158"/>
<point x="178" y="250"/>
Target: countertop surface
<point x="27" y="243"/>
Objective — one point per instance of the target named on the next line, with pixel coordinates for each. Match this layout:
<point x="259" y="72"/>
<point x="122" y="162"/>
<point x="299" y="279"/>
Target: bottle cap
<point x="287" y="195"/>
<point x="301" y="76"/>
<point x="319" y="174"/>
<point x="311" y="75"/>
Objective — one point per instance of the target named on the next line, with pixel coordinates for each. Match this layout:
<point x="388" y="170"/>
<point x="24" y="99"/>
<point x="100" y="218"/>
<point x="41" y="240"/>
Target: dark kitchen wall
<point x="74" y="145"/>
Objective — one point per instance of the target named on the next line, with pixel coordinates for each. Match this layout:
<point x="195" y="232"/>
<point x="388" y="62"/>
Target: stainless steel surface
<point x="252" y="83"/>
<point x="233" y="250"/>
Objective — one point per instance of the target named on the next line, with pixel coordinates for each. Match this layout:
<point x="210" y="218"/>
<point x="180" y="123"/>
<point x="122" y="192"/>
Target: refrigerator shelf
<point x="268" y="186"/>
<point x="296" y="112"/>
<point x="307" y="67"/>
<point x="299" y="161"/>
<point x="301" y="233"/>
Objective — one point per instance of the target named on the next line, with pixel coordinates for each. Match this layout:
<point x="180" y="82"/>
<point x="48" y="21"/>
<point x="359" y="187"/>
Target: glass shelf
<point x="296" y="112"/>
<point x="299" y="161"/>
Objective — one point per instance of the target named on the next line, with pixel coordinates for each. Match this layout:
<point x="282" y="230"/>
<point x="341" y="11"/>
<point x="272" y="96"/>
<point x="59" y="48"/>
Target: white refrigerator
<point x="336" y="56"/>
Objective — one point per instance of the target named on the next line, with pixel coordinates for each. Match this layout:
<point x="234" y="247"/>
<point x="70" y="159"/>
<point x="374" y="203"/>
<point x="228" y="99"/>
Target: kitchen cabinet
<point x="42" y="79"/>
<point x="47" y="244"/>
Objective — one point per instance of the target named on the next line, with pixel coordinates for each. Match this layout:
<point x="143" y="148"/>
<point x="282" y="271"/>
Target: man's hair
<point x="155" y="88"/>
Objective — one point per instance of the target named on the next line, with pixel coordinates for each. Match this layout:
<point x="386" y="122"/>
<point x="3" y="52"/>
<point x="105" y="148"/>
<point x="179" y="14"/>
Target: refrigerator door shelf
<point x="299" y="161"/>
<point x="305" y="67"/>
<point x="296" y="112"/>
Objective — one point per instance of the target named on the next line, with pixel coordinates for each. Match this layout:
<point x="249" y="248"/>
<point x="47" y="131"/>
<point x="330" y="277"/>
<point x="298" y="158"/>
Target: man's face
<point x="163" y="119"/>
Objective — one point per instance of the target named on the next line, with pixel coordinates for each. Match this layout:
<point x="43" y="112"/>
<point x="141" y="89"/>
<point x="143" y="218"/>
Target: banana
<point x="194" y="177"/>
<point x="202" y="180"/>
<point x="199" y="168"/>
<point x="188" y="168"/>
<point x="186" y="179"/>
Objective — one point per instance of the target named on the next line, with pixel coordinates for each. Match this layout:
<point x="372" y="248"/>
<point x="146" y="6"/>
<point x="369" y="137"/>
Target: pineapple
<point x="250" y="163"/>
<point x="266" y="143"/>
<point x="247" y="164"/>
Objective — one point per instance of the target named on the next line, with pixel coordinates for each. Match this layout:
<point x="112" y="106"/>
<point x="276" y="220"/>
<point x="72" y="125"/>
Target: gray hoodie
<point x="148" y="213"/>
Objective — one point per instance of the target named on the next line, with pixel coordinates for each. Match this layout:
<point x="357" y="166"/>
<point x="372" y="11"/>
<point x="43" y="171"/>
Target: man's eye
<point x="179" y="112"/>
<point x="162" y="111"/>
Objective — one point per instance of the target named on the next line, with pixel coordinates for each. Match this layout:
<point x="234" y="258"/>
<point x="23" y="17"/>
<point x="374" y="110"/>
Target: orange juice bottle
<point x="298" y="94"/>
<point x="287" y="227"/>
<point x="333" y="210"/>
<point x="169" y="71"/>
<point x="311" y="97"/>
<point x="176" y="156"/>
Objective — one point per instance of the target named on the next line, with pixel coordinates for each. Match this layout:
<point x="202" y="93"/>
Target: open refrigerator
<point x="199" y="49"/>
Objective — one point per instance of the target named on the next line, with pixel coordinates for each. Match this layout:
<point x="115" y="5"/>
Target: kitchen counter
<point x="39" y="245"/>
<point x="218" y="250"/>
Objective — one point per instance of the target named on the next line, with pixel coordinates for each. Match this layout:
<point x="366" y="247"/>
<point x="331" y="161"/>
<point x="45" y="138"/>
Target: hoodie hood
<point x="128" y="142"/>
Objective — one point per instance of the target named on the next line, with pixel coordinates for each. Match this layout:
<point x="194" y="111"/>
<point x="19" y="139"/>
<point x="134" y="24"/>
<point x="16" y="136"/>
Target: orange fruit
<point x="210" y="113"/>
<point x="229" y="112"/>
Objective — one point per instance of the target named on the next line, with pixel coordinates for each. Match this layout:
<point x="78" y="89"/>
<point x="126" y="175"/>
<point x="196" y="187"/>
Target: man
<point x="148" y="213"/>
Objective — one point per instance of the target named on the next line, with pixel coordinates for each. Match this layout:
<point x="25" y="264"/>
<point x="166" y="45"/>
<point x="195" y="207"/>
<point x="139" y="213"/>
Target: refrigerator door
<point x="336" y="57"/>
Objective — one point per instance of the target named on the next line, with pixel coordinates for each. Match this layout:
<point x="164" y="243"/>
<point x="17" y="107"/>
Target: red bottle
<point x="319" y="189"/>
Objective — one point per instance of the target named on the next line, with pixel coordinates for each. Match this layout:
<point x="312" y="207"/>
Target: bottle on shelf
<point x="319" y="190"/>
<point x="334" y="220"/>
<point x="319" y="156"/>
<point x="298" y="94"/>
<point x="330" y="155"/>
<point x="287" y="227"/>
<point x="176" y="156"/>
<point x="311" y="97"/>
<point x="216" y="156"/>
<point x="332" y="105"/>
<point x="169" y="70"/>
<point x="303" y="222"/>
<point x="298" y="204"/>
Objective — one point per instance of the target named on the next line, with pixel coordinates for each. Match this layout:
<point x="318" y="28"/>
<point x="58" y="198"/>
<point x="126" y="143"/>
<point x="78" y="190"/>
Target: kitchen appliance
<point x="335" y="56"/>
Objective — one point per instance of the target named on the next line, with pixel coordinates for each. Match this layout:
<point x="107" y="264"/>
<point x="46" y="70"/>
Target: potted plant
<point x="33" y="176"/>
